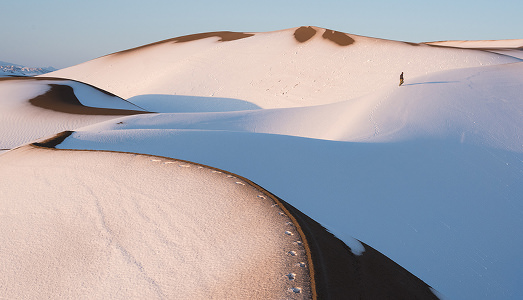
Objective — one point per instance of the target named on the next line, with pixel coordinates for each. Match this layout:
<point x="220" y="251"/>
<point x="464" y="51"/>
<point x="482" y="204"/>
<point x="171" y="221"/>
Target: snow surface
<point x="113" y="226"/>
<point x="429" y="173"/>
<point x="271" y="70"/>
<point x="512" y="48"/>
<point x="495" y="44"/>
<point x="23" y="122"/>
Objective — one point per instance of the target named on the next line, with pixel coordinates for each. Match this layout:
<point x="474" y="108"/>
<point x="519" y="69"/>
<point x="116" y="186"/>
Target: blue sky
<point x="62" y="33"/>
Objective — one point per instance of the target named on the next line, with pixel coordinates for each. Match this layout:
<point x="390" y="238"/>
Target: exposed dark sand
<point x="337" y="37"/>
<point x="54" y="141"/>
<point x="225" y="36"/>
<point x="61" y="98"/>
<point x="304" y="33"/>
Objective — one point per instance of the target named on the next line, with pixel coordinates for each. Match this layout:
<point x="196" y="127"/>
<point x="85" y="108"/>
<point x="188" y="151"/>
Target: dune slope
<point x="278" y="69"/>
<point x="120" y="226"/>
<point x="33" y="108"/>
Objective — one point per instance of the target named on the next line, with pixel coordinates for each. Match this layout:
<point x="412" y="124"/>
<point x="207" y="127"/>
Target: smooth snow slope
<point x="481" y="106"/>
<point x="273" y="69"/>
<point x="507" y="47"/>
<point x="488" y="44"/>
<point x="124" y="226"/>
<point x="428" y="173"/>
<point x="24" y="117"/>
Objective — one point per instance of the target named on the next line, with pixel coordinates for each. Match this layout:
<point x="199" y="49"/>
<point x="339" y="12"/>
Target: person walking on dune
<point x="401" y="78"/>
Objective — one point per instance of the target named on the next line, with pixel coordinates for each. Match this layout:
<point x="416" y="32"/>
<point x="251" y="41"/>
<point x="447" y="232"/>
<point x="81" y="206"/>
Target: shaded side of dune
<point x="340" y="274"/>
<point x="54" y="141"/>
<point x="61" y="98"/>
<point x="335" y="271"/>
<point x="42" y="78"/>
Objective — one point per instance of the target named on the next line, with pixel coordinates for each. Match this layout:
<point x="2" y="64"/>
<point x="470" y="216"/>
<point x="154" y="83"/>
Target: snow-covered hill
<point x="290" y="68"/>
<point x="437" y="160"/>
<point x="428" y="173"/>
<point x="32" y="108"/>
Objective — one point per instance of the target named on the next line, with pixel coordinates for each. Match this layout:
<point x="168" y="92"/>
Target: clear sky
<point x="62" y="33"/>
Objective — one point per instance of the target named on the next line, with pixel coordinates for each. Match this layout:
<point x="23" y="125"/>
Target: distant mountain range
<point x="10" y="69"/>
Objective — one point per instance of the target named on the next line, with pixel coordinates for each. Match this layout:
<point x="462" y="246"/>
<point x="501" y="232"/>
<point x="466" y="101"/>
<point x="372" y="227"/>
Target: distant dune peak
<point x="305" y="33"/>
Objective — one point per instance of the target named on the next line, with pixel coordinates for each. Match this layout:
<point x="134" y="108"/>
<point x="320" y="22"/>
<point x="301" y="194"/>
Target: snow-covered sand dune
<point x="508" y="47"/>
<point x="284" y="68"/>
<point x="120" y="226"/>
<point x="479" y="105"/>
<point x="428" y="173"/>
<point x="32" y="108"/>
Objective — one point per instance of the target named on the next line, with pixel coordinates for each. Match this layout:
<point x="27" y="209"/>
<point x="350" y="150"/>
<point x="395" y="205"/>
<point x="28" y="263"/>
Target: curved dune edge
<point x="61" y="98"/>
<point x="335" y="272"/>
<point x="52" y="142"/>
<point x="44" y="78"/>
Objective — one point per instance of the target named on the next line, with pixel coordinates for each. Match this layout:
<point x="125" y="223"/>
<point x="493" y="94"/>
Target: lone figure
<point x="401" y="78"/>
